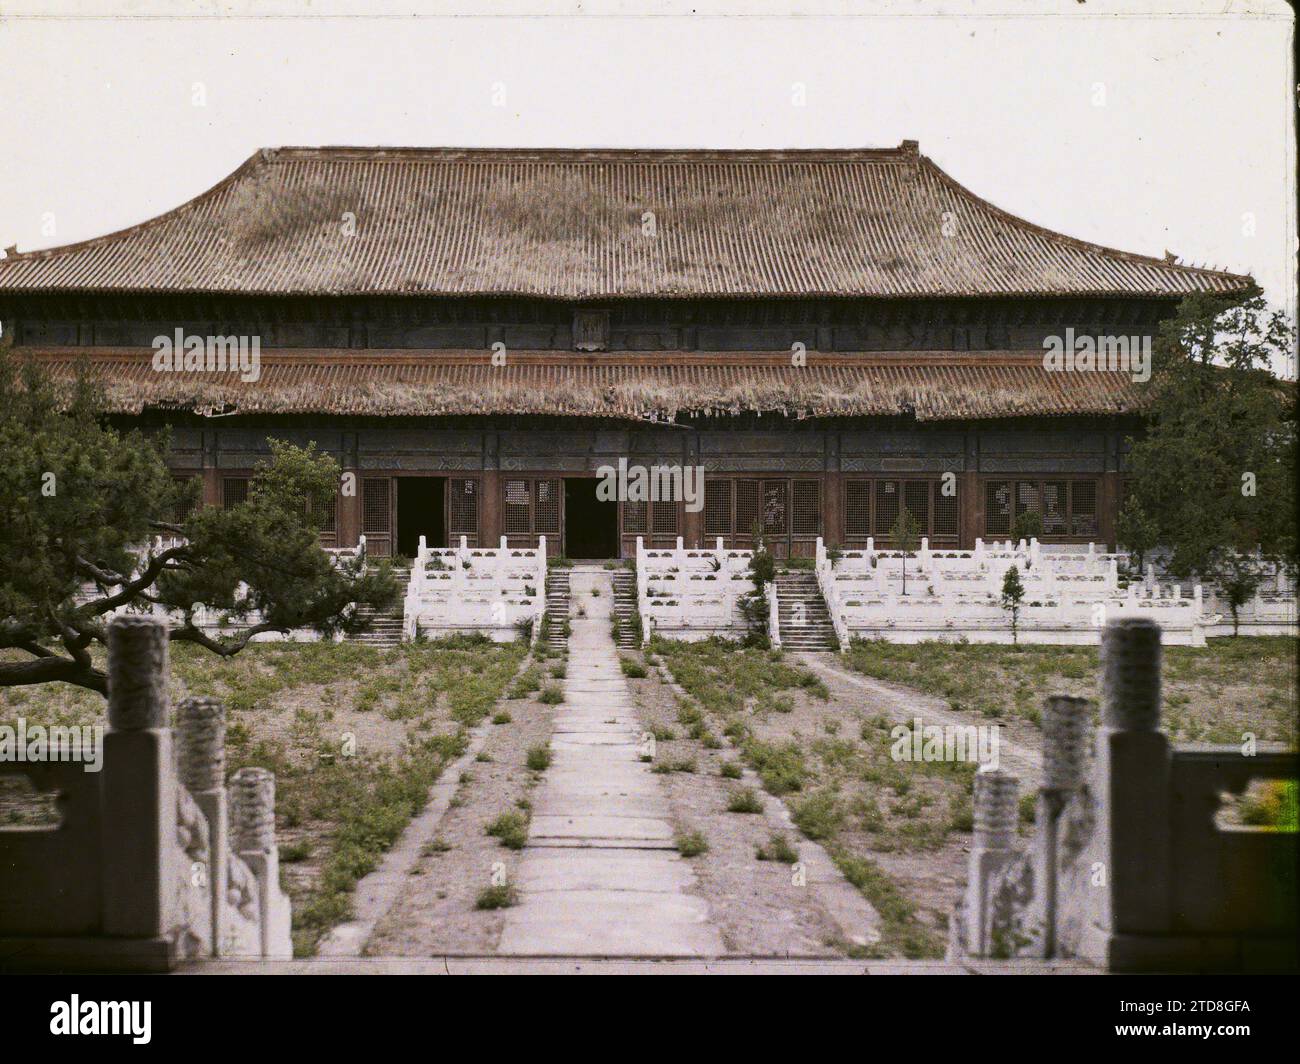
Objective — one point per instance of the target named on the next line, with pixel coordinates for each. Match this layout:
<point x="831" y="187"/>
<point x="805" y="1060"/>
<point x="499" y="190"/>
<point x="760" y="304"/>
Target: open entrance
<point x="420" y="513"/>
<point x="590" y="525"/>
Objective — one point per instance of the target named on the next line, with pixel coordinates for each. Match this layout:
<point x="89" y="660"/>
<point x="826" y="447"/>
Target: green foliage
<point x="632" y="668"/>
<point x="906" y="535"/>
<point x="509" y="829"/>
<point x="500" y="896"/>
<point x="778" y="849"/>
<point x="80" y="497"/>
<point x="1013" y="594"/>
<point x="1027" y="526"/>
<point x="744" y="800"/>
<point x="1213" y="474"/>
<point x="692" y="844"/>
<point x="539" y="758"/>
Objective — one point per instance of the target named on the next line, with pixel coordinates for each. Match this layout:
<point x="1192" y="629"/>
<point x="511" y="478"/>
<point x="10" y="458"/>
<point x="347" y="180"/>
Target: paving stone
<point x="600" y="874"/>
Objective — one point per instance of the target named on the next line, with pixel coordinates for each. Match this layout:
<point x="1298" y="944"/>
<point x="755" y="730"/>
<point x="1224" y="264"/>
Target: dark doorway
<point x="590" y="525"/>
<point x="419" y="513"/>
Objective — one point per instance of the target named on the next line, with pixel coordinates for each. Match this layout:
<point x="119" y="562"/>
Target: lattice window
<point x="806" y="515"/>
<point x="325" y="512"/>
<point x="1055" y="506"/>
<point x="857" y="508"/>
<point x="462" y="507"/>
<point x="887" y="505"/>
<point x="1083" y="508"/>
<point x="546" y="516"/>
<point x="375" y="508"/>
<point x="234" y="490"/>
<point x="634" y="516"/>
<point x="1027" y="497"/>
<point x="916" y="497"/>
<point x="186" y="505"/>
<point x="516" y="514"/>
<point x="717" y="508"/>
<point x="775" y="508"/>
<point x="997" y="508"/>
<point x="947" y="520"/>
<point x="664" y="518"/>
<point x="746" y="506"/>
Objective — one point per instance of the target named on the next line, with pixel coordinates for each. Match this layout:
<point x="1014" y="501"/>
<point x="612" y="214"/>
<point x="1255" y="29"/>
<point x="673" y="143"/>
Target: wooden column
<point x="211" y="474"/>
<point x="970" y="497"/>
<point x="349" y="532"/>
<point x="832" y="509"/>
<point x="832" y="492"/>
<point x="489" y="515"/>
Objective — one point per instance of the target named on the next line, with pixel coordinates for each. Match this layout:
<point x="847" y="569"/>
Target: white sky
<point x="1141" y="131"/>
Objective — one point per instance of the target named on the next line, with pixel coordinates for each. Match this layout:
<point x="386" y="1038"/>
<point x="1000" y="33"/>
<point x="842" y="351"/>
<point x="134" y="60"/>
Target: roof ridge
<point x="1074" y="241"/>
<point x="253" y="162"/>
<point x="379" y="153"/>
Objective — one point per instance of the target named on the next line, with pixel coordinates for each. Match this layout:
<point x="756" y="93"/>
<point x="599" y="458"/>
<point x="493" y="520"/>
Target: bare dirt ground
<point x="436" y="912"/>
<point x="756" y="904"/>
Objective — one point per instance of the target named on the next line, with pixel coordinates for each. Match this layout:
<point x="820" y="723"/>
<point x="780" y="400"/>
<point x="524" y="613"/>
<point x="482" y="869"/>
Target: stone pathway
<point x="601" y="875"/>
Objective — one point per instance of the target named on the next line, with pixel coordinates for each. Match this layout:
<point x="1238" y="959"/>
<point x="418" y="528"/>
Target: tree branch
<point x="50" y="669"/>
<point x="187" y="633"/>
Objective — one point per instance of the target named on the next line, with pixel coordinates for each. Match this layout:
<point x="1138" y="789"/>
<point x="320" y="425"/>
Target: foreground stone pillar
<point x="992" y="848"/>
<point x="1133" y="784"/>
<point x="201" y="762"/>
<point x="1066" y="728"/>
<point x="138" y="787"/>
<point x="252" y="827"/>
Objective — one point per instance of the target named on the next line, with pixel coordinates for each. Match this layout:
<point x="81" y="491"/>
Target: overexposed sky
<point x="1142" y="131"/>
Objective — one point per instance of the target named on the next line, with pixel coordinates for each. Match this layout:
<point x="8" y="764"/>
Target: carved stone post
<point x="201" y="760"/>
<point x="1132" y="775"/>
<point x="252" y="826"/>
<point x="992" y="848"/>
<point x="138" y="789"/>
<point x="1066" y="726"/>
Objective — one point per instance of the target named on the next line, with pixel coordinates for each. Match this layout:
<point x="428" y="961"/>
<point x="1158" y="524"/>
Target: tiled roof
<point x="597" y="225"/>
<point x="929" y="386"/>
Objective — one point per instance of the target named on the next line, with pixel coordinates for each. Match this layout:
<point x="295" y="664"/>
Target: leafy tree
<point x="1027" y="526"/>
<point x="762" y="570"/>
<point x="1213" y="483"/>
<point x="1013" y="594"/>
<point x="81" y="501"/>
<point x="906" y="534"/>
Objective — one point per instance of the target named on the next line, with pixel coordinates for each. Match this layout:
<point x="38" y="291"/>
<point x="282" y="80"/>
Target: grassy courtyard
<point x="355" y="735"/>
<point x="828" y="759"/>
<point x="899" y="830"/>
<point x="1212" y="694"/>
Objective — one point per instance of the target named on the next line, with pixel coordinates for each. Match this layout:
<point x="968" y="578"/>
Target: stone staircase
<point x="625" y="607"/>
<point x="385" y="628"/>
<point x="557" y="609"/>
<point x="799" y="599"/>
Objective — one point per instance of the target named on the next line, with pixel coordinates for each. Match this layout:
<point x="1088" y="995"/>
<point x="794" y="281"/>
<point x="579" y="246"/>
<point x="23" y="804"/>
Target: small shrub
<point x="552" y="694"/>
<point x="631" y="668"/>
<point x="744" y="800"/>
<point x="295" y="851"/>
<point x="818" y="816"/>
<point x="692" y="844"/>
<point x="510" y="829"/>
<point x="539" y="758"/>
<point x="502" y="717"/>
<point x="730" y="770"/>
<point x="498" y="897"/>
<point x="778" y="849"/>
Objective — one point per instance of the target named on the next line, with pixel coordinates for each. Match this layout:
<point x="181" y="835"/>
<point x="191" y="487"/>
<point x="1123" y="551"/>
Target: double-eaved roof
<point x="584" y="225"/>
<point x="929" y="386"/>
